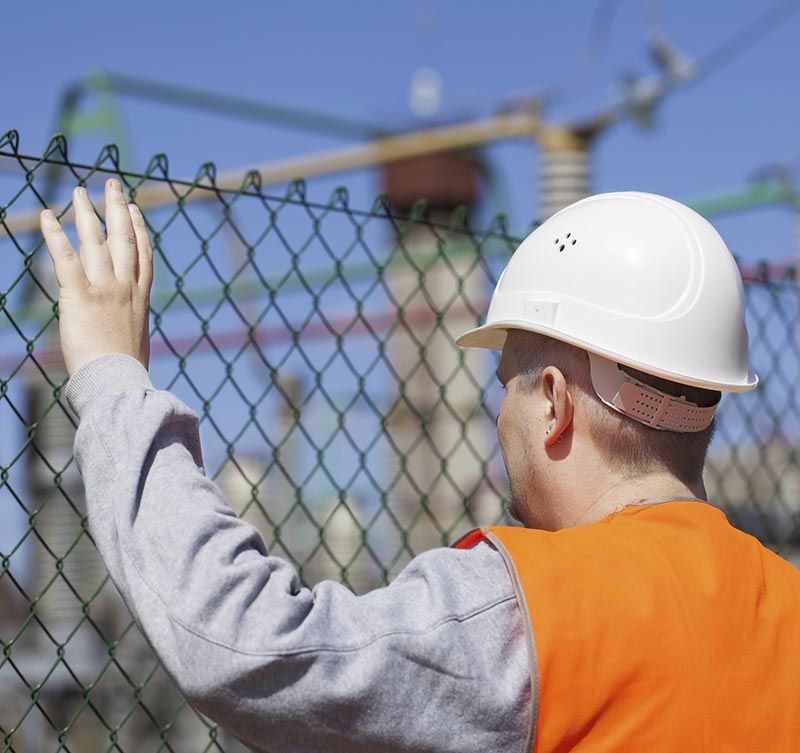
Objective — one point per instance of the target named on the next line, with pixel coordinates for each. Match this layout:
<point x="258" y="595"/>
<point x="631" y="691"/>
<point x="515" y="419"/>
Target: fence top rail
<point x="205" y="186"/>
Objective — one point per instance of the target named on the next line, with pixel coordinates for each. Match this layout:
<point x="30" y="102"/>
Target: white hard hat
<point x="635" y="279"/>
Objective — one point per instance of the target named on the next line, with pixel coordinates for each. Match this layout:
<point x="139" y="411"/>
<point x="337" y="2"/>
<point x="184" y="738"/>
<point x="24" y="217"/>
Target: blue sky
<point x="356" y="59"/>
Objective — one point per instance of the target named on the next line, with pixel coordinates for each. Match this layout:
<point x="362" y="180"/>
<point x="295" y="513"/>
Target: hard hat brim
<point x="493" y="336"/>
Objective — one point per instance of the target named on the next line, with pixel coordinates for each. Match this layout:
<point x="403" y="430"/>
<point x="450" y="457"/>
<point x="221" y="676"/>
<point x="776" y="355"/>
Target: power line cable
<point x="643" y="94"/>
<point x="579" y="77"/>
<point x="653" y="19"/>
<point x="740" y="42"/>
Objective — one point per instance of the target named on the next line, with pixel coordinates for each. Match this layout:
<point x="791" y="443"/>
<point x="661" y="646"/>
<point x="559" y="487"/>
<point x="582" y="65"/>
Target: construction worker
<point x="625" y="614"/>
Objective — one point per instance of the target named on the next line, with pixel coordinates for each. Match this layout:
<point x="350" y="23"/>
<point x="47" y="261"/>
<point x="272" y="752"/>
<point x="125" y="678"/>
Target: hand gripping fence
<point x="316" y="343"/>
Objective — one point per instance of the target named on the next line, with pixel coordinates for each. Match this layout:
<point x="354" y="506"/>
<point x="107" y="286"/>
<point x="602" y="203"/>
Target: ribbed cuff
<point x="101" y="376"/>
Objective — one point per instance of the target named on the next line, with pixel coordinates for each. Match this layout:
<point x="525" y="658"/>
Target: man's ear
<point x="559" y="406"/>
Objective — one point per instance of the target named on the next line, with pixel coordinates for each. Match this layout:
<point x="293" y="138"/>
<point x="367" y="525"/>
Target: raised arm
<point x="436" y="661"/>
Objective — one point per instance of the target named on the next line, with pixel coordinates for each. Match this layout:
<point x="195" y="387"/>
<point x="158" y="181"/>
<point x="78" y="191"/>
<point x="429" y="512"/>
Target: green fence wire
<point x="316" y="342"/>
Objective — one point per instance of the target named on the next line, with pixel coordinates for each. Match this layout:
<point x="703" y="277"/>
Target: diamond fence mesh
<point x="316" y="342"/>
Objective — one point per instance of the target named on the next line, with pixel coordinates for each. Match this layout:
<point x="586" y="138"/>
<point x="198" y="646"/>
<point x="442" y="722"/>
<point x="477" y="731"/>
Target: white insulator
<point x="565" y="179"/>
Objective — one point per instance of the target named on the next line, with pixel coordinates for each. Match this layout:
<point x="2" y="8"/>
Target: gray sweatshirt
<point x="436" y="661"/>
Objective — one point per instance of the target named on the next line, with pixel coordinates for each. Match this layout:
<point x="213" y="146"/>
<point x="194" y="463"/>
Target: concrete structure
<point x="437" y="428"/>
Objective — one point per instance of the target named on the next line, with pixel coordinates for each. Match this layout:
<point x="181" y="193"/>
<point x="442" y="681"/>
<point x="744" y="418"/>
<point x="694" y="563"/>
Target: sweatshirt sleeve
<point x="437" y="661"/>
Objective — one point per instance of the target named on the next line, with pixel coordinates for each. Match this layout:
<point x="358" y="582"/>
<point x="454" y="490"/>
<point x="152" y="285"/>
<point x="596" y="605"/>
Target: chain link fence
<point x="316" y="342"/>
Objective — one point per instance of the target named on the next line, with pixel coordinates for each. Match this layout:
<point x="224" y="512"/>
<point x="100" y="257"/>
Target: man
<point x="626" y="614"/>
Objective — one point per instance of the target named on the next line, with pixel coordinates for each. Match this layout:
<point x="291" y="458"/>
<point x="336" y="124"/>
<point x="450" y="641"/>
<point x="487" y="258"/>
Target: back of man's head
<point x="630" y="447"/>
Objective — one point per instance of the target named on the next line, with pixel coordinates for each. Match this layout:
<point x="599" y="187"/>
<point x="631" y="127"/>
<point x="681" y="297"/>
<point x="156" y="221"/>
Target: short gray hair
<point x="631" y="447"/>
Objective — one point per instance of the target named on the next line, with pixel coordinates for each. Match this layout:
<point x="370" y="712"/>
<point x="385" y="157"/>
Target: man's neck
<point x="627" y="491"/>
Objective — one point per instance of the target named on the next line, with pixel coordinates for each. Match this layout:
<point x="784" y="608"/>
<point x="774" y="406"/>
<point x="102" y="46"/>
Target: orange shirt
<point x="659" y="628"/>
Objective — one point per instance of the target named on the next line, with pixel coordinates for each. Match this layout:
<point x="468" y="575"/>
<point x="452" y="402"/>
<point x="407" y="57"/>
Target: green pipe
<point x="233" y="106"/>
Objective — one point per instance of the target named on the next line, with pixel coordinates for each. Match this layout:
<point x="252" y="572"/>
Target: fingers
<point x="95" y="254"/>
<point x="145" y="249"/>
<point x="126" y="256"/>
<point x="69" y="269"/>
<point x="121" y="239"/>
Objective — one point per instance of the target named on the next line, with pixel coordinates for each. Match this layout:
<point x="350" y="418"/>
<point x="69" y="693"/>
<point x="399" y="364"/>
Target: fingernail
<point x="80" y="191"/>
<point x="114" y="185"/>
<point x="48" y="215"/>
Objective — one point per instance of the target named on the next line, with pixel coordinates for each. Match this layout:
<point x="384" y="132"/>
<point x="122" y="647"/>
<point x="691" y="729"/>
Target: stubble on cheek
<point x="521" y="482"/>
<point x="513" y="509"/>
<point x="508" y="450"/>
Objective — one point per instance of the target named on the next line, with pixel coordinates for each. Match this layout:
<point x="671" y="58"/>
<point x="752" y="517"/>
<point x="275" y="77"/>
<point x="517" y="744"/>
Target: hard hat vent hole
<point x="568" y="239"/>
